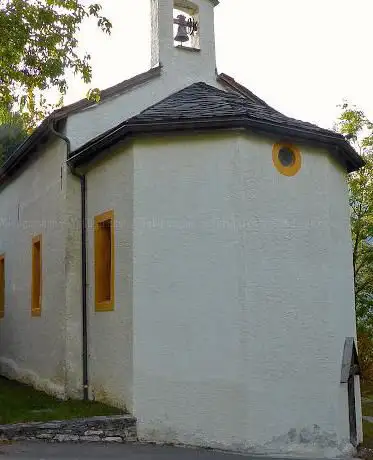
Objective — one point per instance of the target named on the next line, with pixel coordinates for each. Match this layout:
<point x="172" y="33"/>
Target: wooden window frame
<point x="2" y="285"/>
<point x="104" y="305"/>
<point x="36" y="303"/>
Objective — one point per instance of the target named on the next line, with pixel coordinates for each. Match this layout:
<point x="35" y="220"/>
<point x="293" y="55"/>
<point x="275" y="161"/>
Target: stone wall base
<point x="120" y="429"/>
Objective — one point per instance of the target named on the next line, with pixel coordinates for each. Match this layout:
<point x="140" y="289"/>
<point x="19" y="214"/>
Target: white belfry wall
<point x="243" y="296"/>
<point x="180" y="68"/>
<point x="183" y="63"/>
<point x="32" y="349"/>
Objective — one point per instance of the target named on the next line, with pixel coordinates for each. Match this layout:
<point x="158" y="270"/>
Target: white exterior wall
<point x="180" y="68"/>
<point x="184" y="63"/>
<point x="187" y="68"/>
<point x="73" y="282"/>
<point x="110" y="187"/>
<point x="32" y="349"/>
<point x="85" y="125"/>
<point x="243" y="296"/>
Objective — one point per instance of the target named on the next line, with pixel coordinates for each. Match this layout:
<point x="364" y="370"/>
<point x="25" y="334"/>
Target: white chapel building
<point x="182" y="249"/>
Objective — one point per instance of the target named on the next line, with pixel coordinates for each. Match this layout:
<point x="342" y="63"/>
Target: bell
<point x="182" y="34"/>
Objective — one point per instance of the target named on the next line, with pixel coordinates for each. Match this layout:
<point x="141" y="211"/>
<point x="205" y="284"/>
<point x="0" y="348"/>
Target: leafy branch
<point x="38" y="46"/>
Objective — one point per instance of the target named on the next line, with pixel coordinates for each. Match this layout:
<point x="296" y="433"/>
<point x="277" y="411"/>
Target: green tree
<point x="359" y="130"/>
<point x="12" y="133"/>
<point x="38" y="45"/>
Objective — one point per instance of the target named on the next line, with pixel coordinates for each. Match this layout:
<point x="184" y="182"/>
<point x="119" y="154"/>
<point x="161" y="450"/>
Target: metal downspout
<point x="83" y="197"/>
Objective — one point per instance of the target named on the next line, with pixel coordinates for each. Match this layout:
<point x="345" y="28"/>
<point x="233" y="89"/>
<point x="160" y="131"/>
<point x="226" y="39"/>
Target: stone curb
<point x="115" y="429"/>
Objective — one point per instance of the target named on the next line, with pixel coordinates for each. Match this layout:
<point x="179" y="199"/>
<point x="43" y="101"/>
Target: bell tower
<point x="183" y="38"/>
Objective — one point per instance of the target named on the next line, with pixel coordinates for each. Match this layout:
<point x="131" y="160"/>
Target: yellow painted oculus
<point x="287" y="159"/>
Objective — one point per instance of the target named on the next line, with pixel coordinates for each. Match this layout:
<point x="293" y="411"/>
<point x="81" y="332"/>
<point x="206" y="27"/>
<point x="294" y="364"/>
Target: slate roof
<point x="201" y="106"/>
<point x="202" y="101"/>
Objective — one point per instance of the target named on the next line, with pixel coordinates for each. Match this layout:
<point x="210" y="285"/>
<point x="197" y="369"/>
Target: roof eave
<point x="31" y="143"/>
<point x="23" y="151"/>
<point x="351" y="159"/>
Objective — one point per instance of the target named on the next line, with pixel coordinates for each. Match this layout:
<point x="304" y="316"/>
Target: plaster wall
<point x="73" y="291"/>
<point x="243" y="296"/>
<point x="177" y="60"/>
<point x="32" y="349"/>
<point x="85" y="125"/>
<point x="183" y="68"/>
<point x="180" y="68"/>
<point x="110" y="187"/>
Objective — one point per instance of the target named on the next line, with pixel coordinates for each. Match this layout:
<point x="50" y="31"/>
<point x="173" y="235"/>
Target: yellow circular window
<point x="287" y="159"/>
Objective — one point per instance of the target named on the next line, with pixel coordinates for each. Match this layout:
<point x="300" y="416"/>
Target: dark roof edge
<point x="24" y="149"/>
<point x="42" y="130"/>
<point x="84" y="154"/>
<point x="226" y="80"/>
<point x="107" y="93"/>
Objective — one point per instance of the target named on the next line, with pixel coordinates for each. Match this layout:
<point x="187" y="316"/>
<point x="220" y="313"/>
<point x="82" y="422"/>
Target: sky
<point x="302" y="57"/>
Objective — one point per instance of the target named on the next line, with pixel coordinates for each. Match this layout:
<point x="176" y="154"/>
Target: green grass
<point x="367" y="389"/>
<point x="367" y="409"/>
<point x="22" y="403"/>
<point x="368" y="434"/>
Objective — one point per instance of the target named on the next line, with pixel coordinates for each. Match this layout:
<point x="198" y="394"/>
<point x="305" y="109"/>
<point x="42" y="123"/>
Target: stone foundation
<point x="120" y="429"/>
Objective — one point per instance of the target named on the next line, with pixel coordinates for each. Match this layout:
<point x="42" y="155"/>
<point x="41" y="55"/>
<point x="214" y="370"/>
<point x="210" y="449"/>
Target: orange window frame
<point x="37" y="276"/>
<point x="104" y="265"/>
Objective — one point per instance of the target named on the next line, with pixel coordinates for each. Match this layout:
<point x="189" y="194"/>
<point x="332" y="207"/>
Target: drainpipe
<point x="83" y="194"/>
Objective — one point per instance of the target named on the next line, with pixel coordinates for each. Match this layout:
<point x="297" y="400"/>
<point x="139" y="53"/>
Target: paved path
<point x="44" y="451"/>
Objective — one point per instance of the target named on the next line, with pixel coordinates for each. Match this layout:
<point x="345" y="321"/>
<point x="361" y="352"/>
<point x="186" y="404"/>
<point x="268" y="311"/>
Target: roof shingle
<point x="201" y="105"/>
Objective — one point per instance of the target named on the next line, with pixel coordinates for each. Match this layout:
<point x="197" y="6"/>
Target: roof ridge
<point x="235" y="101"/>
<point x="202" y="85"/>
<point x="223" y="78"/>
<point x="171" y="96"/>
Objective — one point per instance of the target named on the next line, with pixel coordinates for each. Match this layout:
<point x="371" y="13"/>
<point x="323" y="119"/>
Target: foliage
<point x="38" y="45"/>
<point x="365" y="341"/>
<point x="356" y="126"/>
<point x="359" y="130"/>
<point x="12" y="133"/>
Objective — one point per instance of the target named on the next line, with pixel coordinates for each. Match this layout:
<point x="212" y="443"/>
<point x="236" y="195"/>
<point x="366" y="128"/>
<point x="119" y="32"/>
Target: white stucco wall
<point x="180" y="68"/>
<point x="243" y="296"/>
<point x="73" y="290"/>
<point x="83" y="126"/>
<point x="36" y="192"/>
<point x="110" y="187"/>
<point x="233" y="284"/>
<point x="184" y="63"/>
<point x="32" y="349"/>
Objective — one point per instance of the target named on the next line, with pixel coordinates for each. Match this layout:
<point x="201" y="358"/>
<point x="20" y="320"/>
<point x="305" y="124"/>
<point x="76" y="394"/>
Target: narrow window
<point x="2" y="286"/>
<point x="104" y="261"/>
<point x="36" y="277"/>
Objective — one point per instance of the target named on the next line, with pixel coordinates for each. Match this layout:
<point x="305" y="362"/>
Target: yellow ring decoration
<point x="292" y="169"/>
